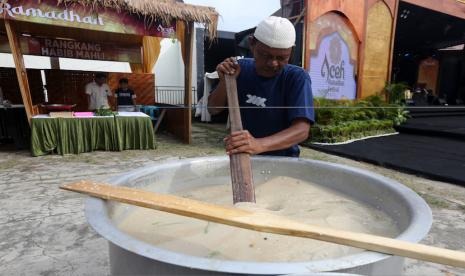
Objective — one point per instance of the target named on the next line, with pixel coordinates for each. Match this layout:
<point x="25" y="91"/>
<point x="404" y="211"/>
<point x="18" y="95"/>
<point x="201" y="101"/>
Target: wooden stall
<point x="67" y="86"/>
<point x="118" y="30"/>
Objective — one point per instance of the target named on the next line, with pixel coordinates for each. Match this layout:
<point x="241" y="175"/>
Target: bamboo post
<point x="189" y="40"/>
<point x="241" y="168"/>
<point x="55" y="63"/>
<point x="20" y="68"/>
<point x="393" y="38"/>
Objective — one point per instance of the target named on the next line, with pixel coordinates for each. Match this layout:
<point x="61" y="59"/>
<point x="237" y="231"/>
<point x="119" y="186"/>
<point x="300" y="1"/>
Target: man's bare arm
<point x="244" y="142"/>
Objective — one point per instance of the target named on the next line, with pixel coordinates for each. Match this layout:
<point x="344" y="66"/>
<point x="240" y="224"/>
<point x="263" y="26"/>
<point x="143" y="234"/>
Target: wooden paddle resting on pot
<point x="241" y="168"/>
<point x="265" y="222"/>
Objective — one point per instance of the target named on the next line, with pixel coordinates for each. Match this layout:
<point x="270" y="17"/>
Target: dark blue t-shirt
<point x="269" y="105"/>
<point x="124" y="97"/>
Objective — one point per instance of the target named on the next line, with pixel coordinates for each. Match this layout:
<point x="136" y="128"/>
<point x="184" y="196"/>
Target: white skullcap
<point x="276" y="32"/>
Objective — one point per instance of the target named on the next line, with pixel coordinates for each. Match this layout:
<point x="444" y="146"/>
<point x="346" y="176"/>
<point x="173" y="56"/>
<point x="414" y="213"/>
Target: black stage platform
<point x="433" y="147"/>
<point x="445" y="126"/>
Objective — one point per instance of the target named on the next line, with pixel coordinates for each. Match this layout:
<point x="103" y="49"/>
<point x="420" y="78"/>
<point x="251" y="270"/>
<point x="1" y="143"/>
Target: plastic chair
<point x="156" y="115"/>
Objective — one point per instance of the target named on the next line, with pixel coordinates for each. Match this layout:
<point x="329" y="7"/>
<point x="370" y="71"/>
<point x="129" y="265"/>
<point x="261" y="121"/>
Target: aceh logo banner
<point x="331" y="70"/>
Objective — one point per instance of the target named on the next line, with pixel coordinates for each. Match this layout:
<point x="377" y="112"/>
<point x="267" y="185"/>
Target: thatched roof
<point x="165" y="10"/>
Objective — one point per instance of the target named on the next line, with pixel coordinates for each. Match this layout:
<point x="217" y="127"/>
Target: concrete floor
<point x="44" y="231"/>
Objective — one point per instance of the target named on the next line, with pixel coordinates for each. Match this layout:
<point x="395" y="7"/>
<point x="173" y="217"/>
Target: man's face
<point x="269" y="61"/>
<point x="124" y="85"/>
<point x="100" y="81"/>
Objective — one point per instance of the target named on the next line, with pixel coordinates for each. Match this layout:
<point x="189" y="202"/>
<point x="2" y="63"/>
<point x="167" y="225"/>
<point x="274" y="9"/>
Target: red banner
<point x="74" y="49"/>
<point x="77" y="16"/>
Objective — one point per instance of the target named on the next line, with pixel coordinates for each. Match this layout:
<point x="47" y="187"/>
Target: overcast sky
<point x="238" y="15"/>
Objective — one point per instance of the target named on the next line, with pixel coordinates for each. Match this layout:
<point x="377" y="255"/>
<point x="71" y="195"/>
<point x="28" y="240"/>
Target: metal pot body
<point x="129" y="256"/>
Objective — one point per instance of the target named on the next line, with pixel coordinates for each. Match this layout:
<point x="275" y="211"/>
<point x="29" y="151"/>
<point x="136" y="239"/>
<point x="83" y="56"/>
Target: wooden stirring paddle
<point x="264" y="222"/>
<point x="241" y="168"/>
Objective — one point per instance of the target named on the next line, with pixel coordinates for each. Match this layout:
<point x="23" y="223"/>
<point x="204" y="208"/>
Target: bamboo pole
<point x="393" y="39"/>
<point x="187" y="112"/>
<point x="20" y="68"/>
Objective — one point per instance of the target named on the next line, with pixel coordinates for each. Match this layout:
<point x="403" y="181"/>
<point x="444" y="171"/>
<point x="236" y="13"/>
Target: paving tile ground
<point x="44" y="231"/>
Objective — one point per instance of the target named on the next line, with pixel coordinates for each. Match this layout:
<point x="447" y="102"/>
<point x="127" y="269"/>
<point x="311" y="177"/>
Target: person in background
<point x="125" y="95"/>
<point x="1" y="96"/>
<point x="98" y="92"/>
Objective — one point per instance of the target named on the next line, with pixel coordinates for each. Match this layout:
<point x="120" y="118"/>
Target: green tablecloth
<point x="78" y="135"/>
<point x="134" y="133"/>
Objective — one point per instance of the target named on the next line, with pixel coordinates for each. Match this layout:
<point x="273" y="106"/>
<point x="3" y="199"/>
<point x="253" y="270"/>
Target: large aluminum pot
<point x="129" y="256"/>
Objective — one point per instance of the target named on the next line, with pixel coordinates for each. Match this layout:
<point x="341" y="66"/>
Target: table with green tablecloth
<point x="127" y="130"/>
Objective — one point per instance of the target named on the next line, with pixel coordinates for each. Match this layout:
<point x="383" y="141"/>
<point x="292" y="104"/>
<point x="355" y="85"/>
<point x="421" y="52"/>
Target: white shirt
<point x="98" y="95"/>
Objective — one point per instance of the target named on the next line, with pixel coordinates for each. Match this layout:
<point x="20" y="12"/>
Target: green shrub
<point x="395" y="92"/>
<point x="343" y="120"/>
<point x="350" y="130"/>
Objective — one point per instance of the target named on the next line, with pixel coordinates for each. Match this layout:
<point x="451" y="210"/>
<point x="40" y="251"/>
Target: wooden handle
<point x="241" y="168"/>
<point x="264" y="222"/>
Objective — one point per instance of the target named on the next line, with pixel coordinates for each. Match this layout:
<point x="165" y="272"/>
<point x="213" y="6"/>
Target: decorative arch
<point x="377" y="49"/>
<point x="331" y="22"/>
<point x="353" y="10"/>
<point x="333" y="55"/>
<point x="391" y="4"/>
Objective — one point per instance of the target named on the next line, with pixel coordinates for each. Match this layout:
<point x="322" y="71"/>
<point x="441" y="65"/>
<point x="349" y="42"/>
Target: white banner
<point x="331" y="71"/>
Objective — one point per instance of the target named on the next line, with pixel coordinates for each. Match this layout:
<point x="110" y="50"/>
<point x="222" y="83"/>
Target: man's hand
<point x="217" y="100"/>
<point x="243" y="142"/>
<point x="228" y="67"/>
